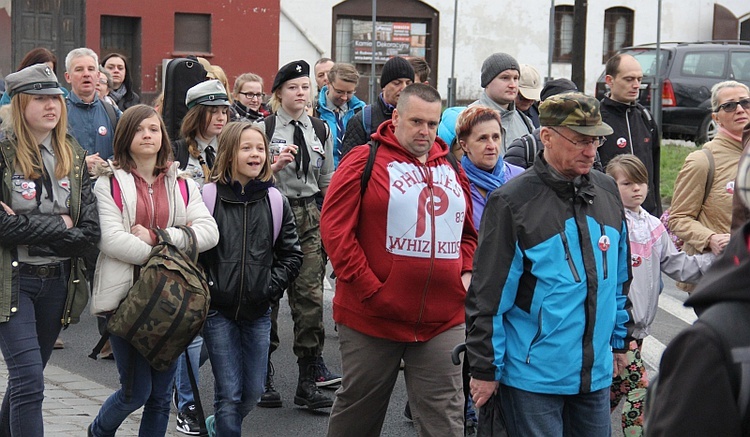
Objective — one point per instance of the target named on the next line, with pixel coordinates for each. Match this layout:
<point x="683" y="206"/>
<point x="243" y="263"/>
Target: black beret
<point x="290" y="71"/>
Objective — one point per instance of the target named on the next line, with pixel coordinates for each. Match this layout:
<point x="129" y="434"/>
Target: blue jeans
<point x="584" y="415"/>
<point x="150" y="389"/>
<point x="181" y="377"/>
<point x="239" y="357"/>
<point x="26" y="341"/>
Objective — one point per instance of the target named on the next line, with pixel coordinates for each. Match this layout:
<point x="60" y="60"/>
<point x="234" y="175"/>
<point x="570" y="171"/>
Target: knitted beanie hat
<point x="396" y="68"/>
<point x="495" y="64"/>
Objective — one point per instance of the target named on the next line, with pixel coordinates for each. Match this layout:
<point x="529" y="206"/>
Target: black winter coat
<point x="634" y="132"/>
<point x="247" y="271"/>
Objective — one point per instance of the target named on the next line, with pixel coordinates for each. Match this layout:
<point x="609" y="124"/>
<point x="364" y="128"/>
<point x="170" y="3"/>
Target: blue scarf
<point x="485" y="180"/>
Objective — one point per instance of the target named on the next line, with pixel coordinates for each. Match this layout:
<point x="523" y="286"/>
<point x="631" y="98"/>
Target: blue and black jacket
<point x="548" y="299"/>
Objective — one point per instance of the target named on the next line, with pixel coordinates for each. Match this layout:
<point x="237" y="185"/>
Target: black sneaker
<point x="187" y="421"/>
<point x="324" y="377"/>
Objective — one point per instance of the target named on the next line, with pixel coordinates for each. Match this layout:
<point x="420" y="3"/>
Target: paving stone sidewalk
<point x="71" y="402"/>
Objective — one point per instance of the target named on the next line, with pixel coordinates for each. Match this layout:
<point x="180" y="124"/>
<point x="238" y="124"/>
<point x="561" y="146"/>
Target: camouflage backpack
<point x="165" y="308"/>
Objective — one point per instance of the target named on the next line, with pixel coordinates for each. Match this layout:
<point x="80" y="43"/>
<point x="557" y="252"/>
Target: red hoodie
<point x="399" y="251"/>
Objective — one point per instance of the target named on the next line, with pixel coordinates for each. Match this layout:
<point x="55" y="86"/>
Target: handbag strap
<point x="196" y="396"/>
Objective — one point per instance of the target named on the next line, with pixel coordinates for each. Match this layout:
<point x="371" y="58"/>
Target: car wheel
<point x="707" y="131"/>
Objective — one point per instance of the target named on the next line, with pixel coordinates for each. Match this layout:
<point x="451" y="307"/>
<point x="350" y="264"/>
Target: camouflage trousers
<point x="306" y="292"/>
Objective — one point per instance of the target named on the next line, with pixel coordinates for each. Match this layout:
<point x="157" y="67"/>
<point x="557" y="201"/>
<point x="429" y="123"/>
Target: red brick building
<point x="238" y="35"/>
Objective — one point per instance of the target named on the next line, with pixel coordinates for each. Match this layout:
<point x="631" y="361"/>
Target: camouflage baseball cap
<point x="576" y="111"/>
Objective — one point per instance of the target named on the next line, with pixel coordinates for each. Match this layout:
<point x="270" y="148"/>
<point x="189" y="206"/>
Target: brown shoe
<point x="59" y="344"/>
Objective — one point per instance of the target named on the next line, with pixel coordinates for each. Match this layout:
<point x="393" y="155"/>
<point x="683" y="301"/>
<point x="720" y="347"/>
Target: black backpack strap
<point x="730" y="320"/>
<point x="321" y="129"/>
<point x="270" y="125"/>
<point x="368" y="167"/>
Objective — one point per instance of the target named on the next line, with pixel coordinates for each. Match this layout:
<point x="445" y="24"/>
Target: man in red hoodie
<point x="402" y="251"/>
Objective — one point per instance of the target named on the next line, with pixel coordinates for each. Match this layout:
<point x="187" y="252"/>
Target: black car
<point x="689" y="70"/>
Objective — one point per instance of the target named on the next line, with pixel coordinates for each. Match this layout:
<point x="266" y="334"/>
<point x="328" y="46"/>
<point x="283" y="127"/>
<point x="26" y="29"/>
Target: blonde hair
<point x="216" y="72"/>
<point x="225" y="167"/>
<point x="244" y="78"/>
<point x="28" y="155"/>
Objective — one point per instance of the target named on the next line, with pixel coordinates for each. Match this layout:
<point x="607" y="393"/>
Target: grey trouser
<point x="370" y="367"/>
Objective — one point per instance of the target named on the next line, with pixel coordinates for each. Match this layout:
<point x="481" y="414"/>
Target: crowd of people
<point x="524" y="225"/>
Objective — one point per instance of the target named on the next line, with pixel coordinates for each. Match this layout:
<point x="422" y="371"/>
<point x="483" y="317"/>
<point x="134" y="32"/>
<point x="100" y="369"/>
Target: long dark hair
<point x="127" y="81"/>
<point x="39" y="55"/>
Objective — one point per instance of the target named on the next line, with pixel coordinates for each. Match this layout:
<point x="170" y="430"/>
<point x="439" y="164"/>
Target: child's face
<point x="217" y="120"/>
<point x="632" y="194"/>
<point x="251" y="156"/>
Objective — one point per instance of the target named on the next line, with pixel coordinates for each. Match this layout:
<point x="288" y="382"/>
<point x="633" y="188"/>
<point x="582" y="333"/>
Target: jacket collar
<point x="617" y="107"/>
<point x="485" y="100"/>
<point x="565" y="189"/>
<point x="80" y="103"/>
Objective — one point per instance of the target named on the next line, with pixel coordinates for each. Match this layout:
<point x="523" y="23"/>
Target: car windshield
<point x="647" y="59"/>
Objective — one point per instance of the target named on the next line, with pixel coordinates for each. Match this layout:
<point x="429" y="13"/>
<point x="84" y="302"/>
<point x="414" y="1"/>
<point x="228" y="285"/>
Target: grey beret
<point x="36" y="79"/>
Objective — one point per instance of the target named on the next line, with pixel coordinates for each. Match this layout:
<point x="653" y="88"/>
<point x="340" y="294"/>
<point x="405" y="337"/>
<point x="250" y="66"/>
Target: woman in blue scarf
<point x="480" y="136"/>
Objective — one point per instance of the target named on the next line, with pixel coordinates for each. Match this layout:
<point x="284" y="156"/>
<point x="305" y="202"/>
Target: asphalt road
<point x="291" y="421"/>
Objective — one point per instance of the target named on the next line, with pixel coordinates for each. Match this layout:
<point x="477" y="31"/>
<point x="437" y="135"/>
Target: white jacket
<point x="651" y="253"/>
<point x="120" y="250"/>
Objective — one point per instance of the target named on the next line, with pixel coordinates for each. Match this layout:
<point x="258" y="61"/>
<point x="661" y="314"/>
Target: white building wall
<point x="488" y="27"/>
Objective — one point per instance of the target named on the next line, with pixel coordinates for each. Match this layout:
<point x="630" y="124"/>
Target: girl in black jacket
<point x="258" y="255"/>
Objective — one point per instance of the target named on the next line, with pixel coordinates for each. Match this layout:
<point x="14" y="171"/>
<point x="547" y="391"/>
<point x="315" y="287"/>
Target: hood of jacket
<point x="386" y="135"/>
<point x="727" y="280"/>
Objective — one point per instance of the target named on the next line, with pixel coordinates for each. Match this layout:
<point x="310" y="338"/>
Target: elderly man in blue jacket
<point x="548" y="305"/>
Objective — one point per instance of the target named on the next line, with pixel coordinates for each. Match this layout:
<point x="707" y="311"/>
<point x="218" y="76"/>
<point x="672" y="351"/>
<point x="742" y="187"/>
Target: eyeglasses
<point x="582" y="144"/>
<point x="251" y="96"/>
<point x="732" y="106"/>
<point x="342" y="93"/>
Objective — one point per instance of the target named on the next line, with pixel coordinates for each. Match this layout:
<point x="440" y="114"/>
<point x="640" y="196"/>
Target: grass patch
<point x="672" y="157"/>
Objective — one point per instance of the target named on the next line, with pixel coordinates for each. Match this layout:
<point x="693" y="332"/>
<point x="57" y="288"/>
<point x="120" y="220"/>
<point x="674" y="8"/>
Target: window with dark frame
<point x="563" y="49"/>
<point x="192" y="33"/>
<point x="618" y="31"/>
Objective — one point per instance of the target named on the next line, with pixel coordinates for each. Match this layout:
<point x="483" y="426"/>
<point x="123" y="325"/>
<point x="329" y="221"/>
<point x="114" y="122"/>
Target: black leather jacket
<point x="44" y="234"/>
<point x="246" y="271"/>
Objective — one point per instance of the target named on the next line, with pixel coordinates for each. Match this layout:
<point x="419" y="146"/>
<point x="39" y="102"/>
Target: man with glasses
<point x="337" y="104"/>
<point x="548" y="301"/>
<point x="634" y="128"/>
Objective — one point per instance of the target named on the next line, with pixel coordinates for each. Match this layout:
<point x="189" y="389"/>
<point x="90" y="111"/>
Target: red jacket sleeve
<point x="338" y="224"/>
